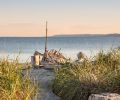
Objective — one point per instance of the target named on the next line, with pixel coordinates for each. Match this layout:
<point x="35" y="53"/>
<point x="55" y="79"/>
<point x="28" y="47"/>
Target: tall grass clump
<point x="76" y="81"/>
<point x="13" y="85"/>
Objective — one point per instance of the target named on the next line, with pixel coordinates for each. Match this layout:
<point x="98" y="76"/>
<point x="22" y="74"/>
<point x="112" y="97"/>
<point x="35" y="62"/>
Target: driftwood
<point x="50" y="57"/>
<point x="36" y="59"/>
<point x="55" y="56"/>
<point x="104" y="96"/>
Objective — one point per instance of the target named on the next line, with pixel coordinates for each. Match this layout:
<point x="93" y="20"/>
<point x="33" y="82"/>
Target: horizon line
<point x="67" y="35"/>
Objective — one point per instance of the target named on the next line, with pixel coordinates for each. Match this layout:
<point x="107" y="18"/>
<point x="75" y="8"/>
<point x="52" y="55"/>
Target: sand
<point x="44" y="78"/>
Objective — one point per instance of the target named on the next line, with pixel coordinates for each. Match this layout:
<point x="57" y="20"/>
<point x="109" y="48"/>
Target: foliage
<point x="76" y="81"/>
<point x="14" y="85"/>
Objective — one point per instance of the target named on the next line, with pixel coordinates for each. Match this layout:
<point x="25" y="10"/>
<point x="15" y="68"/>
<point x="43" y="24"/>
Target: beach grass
<point x="100" y="74"/>
<point x="13" y="84"/>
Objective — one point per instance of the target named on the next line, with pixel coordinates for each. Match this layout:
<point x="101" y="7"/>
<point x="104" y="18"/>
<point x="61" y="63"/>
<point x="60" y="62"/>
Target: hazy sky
<point x="27" y="17"/>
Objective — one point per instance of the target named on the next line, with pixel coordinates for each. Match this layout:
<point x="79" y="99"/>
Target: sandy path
<point x="45" y="79"/>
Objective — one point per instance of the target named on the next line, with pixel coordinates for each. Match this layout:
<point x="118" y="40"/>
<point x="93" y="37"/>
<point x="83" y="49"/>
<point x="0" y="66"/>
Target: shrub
<point x="76" y="81"/>
<point x="13" y="85"/>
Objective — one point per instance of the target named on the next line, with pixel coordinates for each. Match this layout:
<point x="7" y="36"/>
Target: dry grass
<point x="13" y="85"/>
<point x="76" y="81"/>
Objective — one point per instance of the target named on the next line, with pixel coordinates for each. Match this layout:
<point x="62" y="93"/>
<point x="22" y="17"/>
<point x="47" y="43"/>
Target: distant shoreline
<point x="65" y="35"/>
<point x="86" y="35"/>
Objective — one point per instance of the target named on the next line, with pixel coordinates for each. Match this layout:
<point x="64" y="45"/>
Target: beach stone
<point x="104" y="96"/>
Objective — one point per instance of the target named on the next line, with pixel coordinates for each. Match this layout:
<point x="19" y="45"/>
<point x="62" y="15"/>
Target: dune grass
<point x="14" y="85"/>
<point x="76" y="81"/>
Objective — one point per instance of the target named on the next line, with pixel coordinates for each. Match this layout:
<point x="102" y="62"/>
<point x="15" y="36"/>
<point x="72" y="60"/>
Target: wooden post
<point x="46" y="39"/>
<point x="37" y="60"/>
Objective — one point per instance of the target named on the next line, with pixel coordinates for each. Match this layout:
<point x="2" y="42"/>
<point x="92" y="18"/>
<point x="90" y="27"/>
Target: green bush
<point x="76" y="81"/>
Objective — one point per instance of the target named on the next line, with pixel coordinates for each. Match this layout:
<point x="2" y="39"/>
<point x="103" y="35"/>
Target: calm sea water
<point x="70" y="46"/>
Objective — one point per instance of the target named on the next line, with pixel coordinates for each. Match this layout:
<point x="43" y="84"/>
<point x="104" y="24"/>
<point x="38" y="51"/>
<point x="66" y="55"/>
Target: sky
<point x="28" y="17"/>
